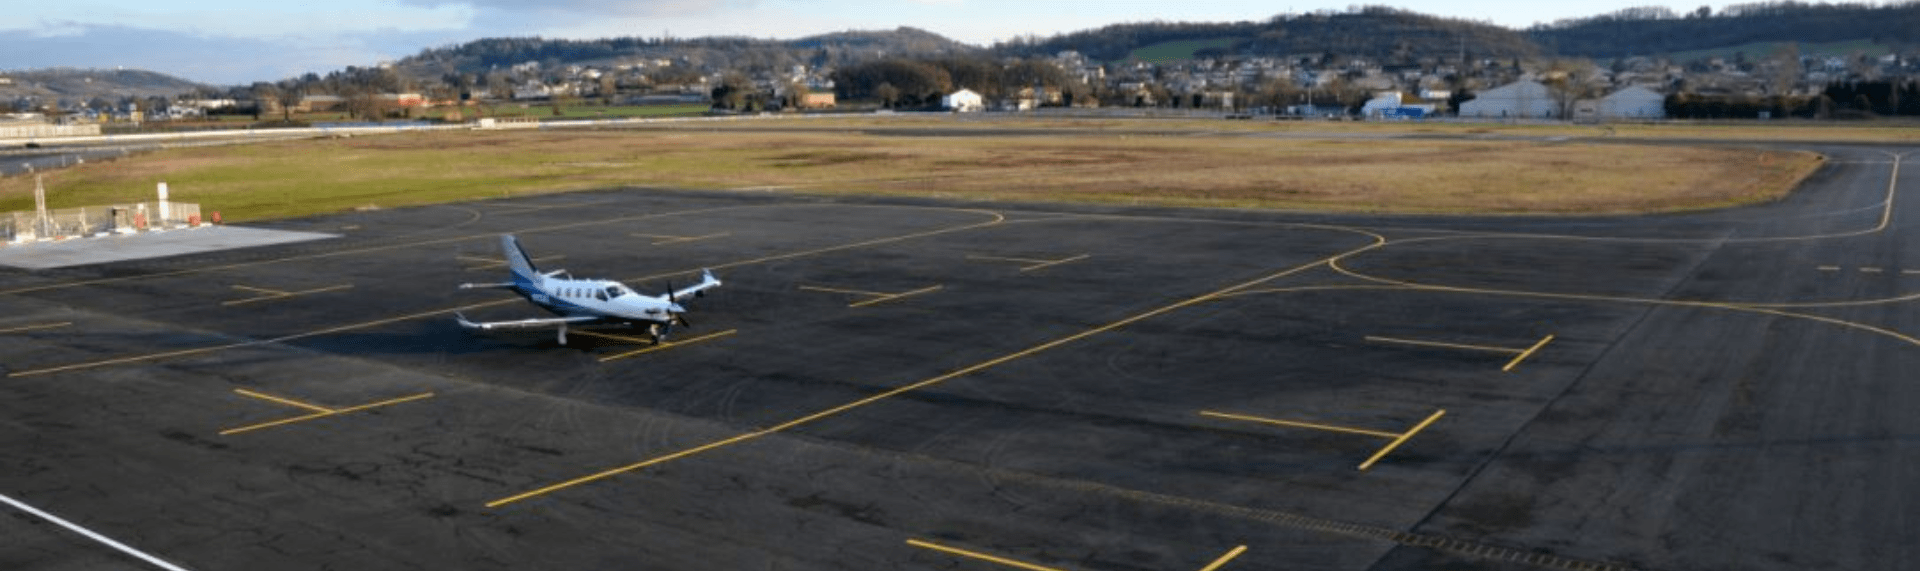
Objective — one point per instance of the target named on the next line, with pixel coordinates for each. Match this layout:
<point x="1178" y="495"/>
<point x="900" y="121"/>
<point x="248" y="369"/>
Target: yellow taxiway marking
<point x="878" y="297"/>
<point x="1298" y="424"/>
<point x="978" y="555"/>
<point x="1225" y="558"/>
<point x="621" y="338"/>
<point x="1215" y="565"/>
<point x="1031" y="264"/>
<point x="924" y="383"/>
<point x="1520" y="354"/>
<point x="319" y="411"/>
<point x="1528" y="353"/>
<point x="665" y="346"/>
<point x="1828" y="268"/>
<point x="24" y="328"/>
<point x="1402" y="439"/>
<point x="274" y="294"/>
<point x="283" y="400"/>
<point x="662" y="240"/>
<point x="1397" y="438"/>
<point x="501" y="262"/>
<point x="1444" y="345"/>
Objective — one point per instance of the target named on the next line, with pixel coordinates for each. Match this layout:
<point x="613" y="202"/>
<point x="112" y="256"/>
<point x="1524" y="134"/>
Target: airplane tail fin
<point x="517" y="259"/>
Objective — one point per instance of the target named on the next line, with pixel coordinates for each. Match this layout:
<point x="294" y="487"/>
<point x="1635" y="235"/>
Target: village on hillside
<point x="1437" y="68"/>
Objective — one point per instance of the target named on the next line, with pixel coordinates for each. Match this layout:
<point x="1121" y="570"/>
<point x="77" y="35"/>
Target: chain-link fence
<point x="97" y="220"/>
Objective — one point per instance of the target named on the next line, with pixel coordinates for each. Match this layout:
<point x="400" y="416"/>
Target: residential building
<point x="963" y="101"/>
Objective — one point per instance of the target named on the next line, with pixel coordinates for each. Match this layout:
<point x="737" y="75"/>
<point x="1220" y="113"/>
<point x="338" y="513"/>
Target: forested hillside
<point x="1378" y="33"/>
<point x="843" y="48"/>
<point x="1656" y="31"/>
<point x="81" y="84"/>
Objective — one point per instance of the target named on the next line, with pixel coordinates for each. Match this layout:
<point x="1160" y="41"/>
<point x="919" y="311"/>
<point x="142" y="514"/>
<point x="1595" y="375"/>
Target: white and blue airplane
<point x="586" y="302"/>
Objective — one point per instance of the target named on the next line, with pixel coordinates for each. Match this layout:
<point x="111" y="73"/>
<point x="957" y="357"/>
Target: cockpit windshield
<point x="617" y="290"/>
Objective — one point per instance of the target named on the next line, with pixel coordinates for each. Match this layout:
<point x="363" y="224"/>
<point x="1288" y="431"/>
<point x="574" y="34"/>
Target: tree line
<point x="1839" y="100"/>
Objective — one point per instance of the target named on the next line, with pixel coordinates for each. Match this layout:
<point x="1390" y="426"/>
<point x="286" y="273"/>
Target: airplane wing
<point x="707" y="281"/>
<point x="507" y="285"/>
<point x="536" y="323"/>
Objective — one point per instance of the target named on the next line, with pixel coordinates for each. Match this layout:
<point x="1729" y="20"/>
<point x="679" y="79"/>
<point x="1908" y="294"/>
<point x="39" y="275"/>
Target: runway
<point x="919" y="384"/>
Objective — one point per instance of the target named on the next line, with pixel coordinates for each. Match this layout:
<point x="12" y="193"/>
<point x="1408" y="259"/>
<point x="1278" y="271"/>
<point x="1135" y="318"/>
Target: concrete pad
<point x="116" y="248"/>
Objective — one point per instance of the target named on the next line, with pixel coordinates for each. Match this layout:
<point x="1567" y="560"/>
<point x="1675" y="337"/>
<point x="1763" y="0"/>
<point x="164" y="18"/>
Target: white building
<point x="1633" y="103"/>
<point x="1518" y="100"/>
<point x="963" y="101"/>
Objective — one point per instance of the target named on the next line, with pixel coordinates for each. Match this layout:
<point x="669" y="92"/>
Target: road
<point x="900" y="384"/>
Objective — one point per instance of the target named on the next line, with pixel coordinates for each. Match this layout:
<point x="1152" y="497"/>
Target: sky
<point x="236" y="42"/>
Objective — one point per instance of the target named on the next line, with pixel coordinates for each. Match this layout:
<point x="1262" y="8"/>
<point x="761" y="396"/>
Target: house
<point x="1634" y="102"/>
<point x="963" y="101"/>
<point x="817" y="101"/>
<point x="1517" y="100"/>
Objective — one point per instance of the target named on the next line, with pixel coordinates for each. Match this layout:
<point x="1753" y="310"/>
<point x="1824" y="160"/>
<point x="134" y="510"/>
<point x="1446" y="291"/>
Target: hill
<point x="1378" y="33"/>
<point x="54" y="84"/>
<point x="1658" y="31"/>
<point x="482" y="56"/>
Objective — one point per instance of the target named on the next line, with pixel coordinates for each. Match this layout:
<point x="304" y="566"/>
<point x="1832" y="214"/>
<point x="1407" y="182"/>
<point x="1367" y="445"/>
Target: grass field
<point x="1184" y="163"/>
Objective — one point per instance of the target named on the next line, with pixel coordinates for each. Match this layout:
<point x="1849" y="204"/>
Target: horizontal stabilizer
<point x="707" y="281"/>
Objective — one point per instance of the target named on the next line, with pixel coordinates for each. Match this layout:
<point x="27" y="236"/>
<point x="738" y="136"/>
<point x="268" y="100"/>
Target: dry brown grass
<point x="1144" y="162"/>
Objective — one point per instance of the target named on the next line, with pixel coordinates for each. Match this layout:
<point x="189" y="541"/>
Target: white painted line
<point x="157" y="562"/>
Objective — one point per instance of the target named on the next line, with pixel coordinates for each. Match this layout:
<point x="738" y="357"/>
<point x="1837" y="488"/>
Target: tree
<point x="608" y="88"/>
<point x="1785" y="65"/>
<point x="887" y="93"/>
<point x="733" y="91"/>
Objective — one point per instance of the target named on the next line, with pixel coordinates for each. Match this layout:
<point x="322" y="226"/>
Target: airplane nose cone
<point x="675" y="308"/>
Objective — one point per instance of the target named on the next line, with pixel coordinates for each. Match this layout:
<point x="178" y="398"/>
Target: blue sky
<point x="236" y="42"/>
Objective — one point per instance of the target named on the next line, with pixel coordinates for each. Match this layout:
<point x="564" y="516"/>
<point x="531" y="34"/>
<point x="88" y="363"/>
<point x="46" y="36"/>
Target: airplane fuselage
<point x="609" y="300"/>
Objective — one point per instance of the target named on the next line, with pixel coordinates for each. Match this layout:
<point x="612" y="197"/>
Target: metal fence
<point x="63" y="223"/>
